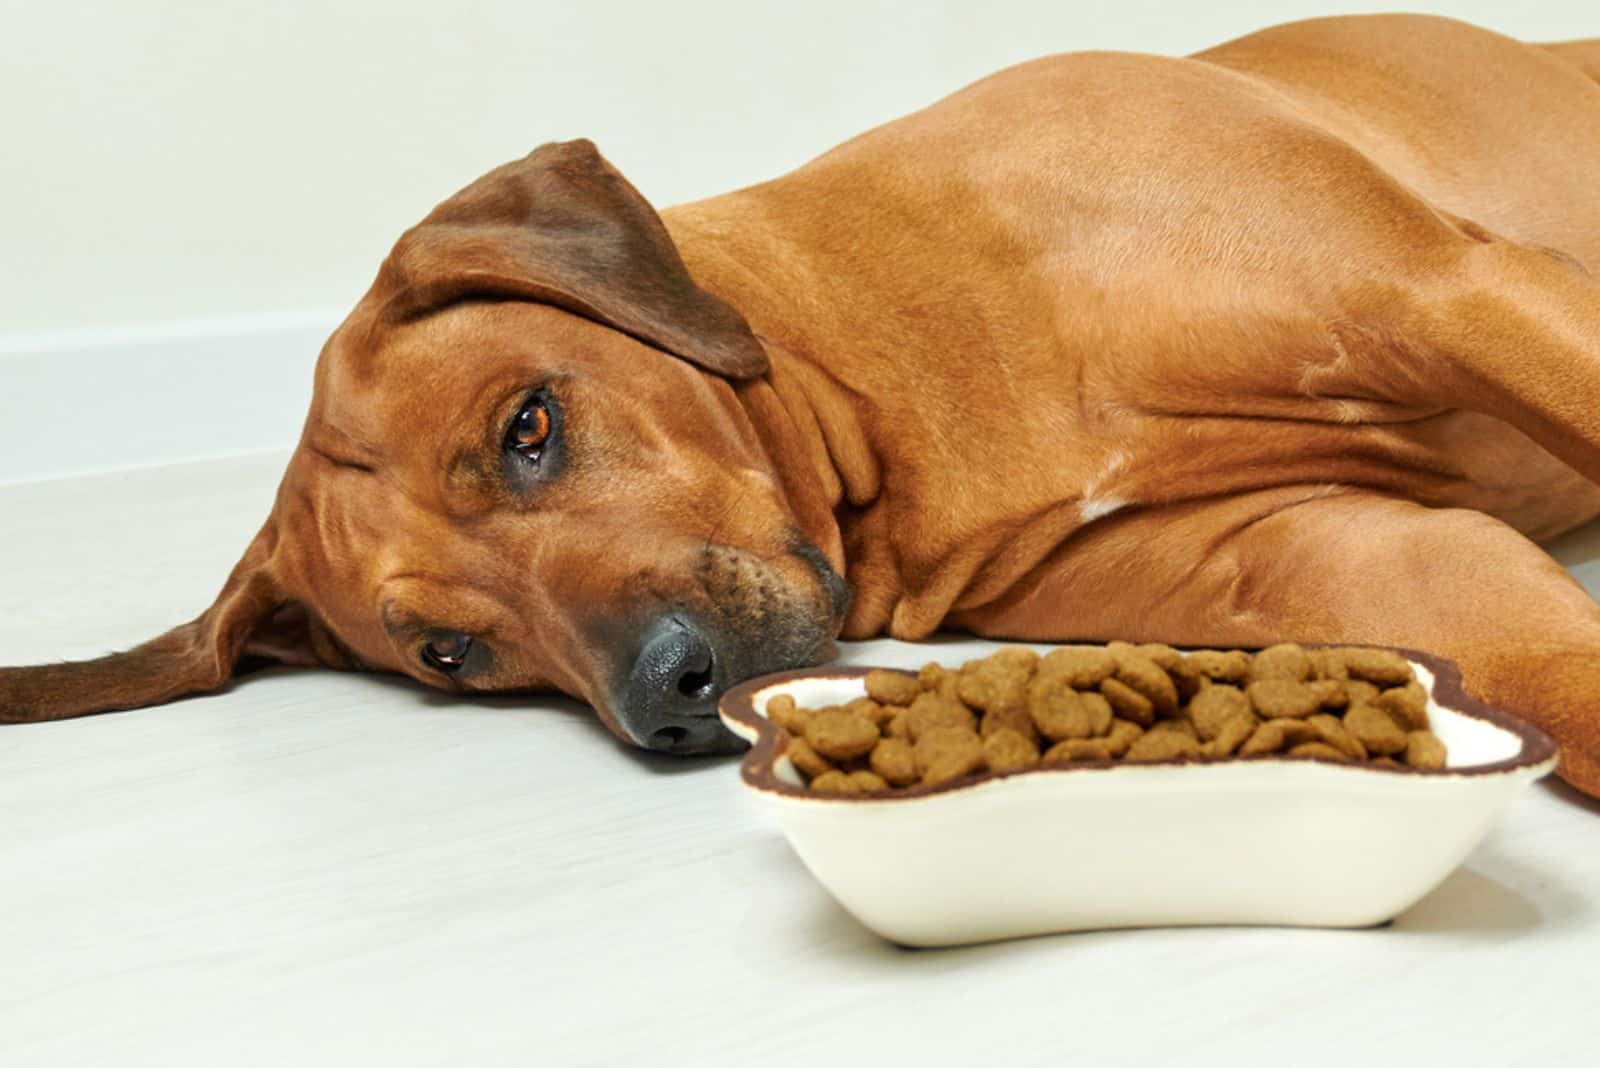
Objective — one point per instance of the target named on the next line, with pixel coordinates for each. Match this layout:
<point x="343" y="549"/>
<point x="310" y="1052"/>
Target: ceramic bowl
<point x="1259" y="840"/>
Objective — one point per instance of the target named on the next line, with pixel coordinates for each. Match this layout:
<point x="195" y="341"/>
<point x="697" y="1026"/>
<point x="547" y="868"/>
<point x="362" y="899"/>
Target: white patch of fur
<point x="1095" y="504"/>
<point x="1349" y="411"/>
<point x="1115" y="462"/>
<point x="1094" y="508"/>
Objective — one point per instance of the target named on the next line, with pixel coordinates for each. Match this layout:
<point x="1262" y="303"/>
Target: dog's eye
<point x="447" y="653"/>
<point x="530" y="429"/>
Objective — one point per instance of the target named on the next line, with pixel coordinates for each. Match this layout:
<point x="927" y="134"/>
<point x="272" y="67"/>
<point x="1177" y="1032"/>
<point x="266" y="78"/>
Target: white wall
<point x="166" y="161"/>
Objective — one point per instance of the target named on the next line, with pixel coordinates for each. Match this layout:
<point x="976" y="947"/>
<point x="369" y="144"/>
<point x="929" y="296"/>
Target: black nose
<point x="670" y="701"/>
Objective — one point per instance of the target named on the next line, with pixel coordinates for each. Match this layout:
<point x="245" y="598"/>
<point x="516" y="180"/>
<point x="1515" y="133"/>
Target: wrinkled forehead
<point x="341" y="527"/>
<point x="383" y="386"/>
<point x="379" y="383"/>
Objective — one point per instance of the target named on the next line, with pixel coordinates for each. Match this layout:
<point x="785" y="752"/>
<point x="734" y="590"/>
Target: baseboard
<point x="78" y="402"/>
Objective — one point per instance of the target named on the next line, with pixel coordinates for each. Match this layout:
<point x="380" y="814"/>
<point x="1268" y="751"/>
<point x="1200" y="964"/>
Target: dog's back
<point x="1481" y="125"/>
<point x="1585" y="55"/>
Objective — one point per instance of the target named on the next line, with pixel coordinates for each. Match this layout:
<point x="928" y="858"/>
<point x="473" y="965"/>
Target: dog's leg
<point x="1339" y="566"/>
<point x="1513" y="332"/>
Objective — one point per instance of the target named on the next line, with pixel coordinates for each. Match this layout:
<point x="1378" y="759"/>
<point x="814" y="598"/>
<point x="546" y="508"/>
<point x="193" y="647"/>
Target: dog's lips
<point x="834" y="587"/>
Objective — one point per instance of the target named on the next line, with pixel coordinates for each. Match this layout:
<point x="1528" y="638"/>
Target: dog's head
<point x="525" y="467"/>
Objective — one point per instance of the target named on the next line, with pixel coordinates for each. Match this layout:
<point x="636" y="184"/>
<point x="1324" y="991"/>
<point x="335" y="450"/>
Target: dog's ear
<point x="249" y="616"/>
<point x="564" y="227"/>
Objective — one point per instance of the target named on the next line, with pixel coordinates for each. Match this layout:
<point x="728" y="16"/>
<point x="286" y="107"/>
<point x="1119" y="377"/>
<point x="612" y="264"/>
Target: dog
<point x="1292" y="339"/>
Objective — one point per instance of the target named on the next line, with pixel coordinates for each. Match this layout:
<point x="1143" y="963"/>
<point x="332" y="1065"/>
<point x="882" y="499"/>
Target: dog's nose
<point x="671" y="699"/>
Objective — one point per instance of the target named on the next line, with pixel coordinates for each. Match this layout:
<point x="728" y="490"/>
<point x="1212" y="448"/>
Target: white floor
<point x="326" y="869"/>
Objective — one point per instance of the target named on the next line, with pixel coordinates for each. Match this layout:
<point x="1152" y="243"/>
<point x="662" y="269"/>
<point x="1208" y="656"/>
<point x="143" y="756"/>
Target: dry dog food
<point x="1017" y="710"/>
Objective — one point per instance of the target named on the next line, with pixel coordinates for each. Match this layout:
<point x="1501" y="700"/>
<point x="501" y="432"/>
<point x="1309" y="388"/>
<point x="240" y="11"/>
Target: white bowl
<point x="1258" y="840"/>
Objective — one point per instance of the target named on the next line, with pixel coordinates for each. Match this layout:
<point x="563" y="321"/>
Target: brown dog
<point x="1292" y="339"/>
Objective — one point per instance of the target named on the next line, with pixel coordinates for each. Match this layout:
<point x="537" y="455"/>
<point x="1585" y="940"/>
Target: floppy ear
<point x="249" y="615"/>
<point x="564" y="227"/>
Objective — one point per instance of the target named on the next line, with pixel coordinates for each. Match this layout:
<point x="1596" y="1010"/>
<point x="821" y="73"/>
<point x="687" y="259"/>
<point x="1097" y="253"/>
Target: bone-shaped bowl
<point x="1257" y="840"/>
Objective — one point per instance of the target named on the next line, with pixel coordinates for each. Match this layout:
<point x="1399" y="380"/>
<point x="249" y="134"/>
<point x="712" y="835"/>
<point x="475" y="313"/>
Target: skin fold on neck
<point x="873" y="453"/>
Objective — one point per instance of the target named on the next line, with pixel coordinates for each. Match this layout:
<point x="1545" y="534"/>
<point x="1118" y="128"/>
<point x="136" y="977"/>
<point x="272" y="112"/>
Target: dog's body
<point x="1158" y="296"/>
<point x="1293" y="339"/>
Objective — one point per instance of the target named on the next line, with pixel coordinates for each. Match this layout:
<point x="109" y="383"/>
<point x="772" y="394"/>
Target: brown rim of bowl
<point x="756" y="767"/>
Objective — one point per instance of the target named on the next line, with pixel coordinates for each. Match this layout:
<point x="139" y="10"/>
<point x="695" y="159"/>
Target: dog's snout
<point x="670" y="701"/>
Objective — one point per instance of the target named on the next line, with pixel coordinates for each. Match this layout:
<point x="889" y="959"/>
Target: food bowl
<point x="1092" y="845"/>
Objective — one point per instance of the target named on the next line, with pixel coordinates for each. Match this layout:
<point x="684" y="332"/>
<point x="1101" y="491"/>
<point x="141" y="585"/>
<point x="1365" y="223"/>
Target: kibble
<point x="1015" y="711"/>
<point x="839" y="734"/>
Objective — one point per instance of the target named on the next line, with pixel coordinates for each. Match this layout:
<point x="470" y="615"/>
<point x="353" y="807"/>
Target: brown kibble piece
<point x="1214" y="706"/>
<point x="1332" y="693"/>
<point x="807" y="760"/>
<point x="1287" y="661"/>
<point x="1146" y="676"/>
<point x="1424" y="750"/>
<point x="1280" y="698"/>
<point x="1014" y="719"/>
<point x="930" y="712"/>
<point x="1077" y="749"/>
<point x="1122" y="734"/>
<point x="1318" y="749"/>
<point x="1328" y="664"/>
<point x="992" y="690"/>
<point x="867" y="782"/>
<point x="893" y="760"/>
<point x="1268" y="738"/>
<point x="1128" y="703"/>
<point x="872" y="710"/>
<point x="1358" y="691"/>
<point x="1080" y="667"/>
<point x="1373" y="728"/>
<point x="1230" y="737"/>
<point x="782" y="710"/>
<point x="1407" y="705"/>
<point x="1015" y="658"/>
<point x="1184" y="727"/>
<point x="1156" y="745"/>
<point x="1100" y="713"/>
<point x="839" y="734"/>
<point x="1187" y="682"/>
<point x="892" y="687"/>
<point x="1006" y="750"/>
<point x="1331" y="731"/>
<point x="938" y="679"/>
<point x="834" y="782"/>
<point x="946" y="753"/>
<point x="1062" y="713"/>
<point x="1296" y="731"/>
<point x="1165" y="656"/>
<point x="1232" y="666"/>
<point x="1275" y="735"/>
<point x="1377" y="665"/>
